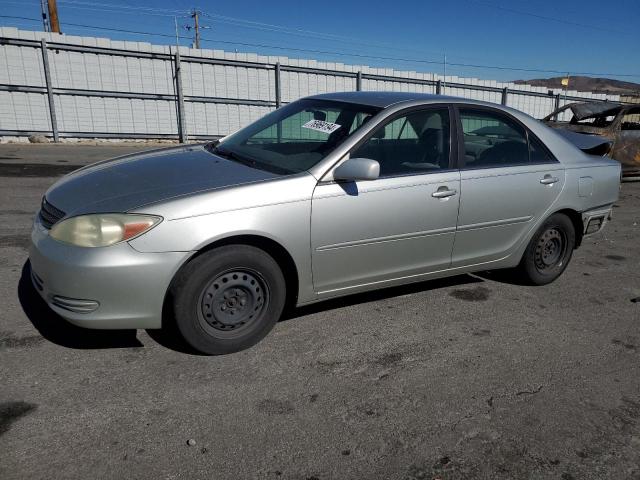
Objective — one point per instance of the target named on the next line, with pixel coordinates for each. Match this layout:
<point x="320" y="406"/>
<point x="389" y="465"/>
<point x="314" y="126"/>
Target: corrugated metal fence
<point x="86" y="87"/>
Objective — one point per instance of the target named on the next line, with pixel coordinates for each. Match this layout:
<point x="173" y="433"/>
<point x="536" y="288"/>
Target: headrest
<point x="434" y="121"/>
<point x="380" y="133"/>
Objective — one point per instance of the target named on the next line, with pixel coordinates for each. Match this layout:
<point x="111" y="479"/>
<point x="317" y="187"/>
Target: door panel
<point x="498" y="206"/>
<point x="508" y="181"/>
<point x="372" y="231"/>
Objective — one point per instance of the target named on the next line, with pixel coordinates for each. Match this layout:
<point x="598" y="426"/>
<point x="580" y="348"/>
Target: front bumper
<point x="105" y="288"/>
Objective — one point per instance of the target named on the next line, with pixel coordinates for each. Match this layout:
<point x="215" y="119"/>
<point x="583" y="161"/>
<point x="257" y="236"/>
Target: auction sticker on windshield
<point x="321" y="126"/>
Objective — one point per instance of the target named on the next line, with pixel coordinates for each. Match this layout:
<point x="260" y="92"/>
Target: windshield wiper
<point x="212" y="144"/>
<point x="248" y="161"/>
<point x="234" y="156"/>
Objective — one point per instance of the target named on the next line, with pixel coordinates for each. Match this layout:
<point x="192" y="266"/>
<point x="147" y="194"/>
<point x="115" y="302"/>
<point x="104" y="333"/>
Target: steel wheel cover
<point x="550" y="250"/>
<point x="233" y="301"/>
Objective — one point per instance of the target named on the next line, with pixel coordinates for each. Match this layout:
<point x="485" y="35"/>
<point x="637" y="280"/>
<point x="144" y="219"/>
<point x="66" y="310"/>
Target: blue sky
<point x="575" y="36"/>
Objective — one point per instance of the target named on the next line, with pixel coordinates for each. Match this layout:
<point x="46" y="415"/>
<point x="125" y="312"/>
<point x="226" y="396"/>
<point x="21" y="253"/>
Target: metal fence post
<point x="505" y="95"/>
<point x="277" y="85"/>
<point x="438" y="87"/>
<point x="278" y="100"/>
<point x="47" y="79"/>
<point x="557" y="101"/>
<point x="359" y="81"/>
<point x="182" y="127"/>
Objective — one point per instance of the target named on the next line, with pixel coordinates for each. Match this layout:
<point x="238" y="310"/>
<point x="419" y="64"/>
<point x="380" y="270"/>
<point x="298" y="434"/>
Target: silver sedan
<point x="327" y="196"/>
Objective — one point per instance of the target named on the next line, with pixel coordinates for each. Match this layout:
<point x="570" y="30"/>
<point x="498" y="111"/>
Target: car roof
<point x="382" y="99"/>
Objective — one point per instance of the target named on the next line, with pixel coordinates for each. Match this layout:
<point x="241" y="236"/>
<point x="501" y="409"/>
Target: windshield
<point x="296" y="137"/>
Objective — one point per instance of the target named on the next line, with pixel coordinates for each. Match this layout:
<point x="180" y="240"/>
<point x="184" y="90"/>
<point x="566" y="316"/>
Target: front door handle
<point x="549" y="180"/>
<point x="443" y="192"/>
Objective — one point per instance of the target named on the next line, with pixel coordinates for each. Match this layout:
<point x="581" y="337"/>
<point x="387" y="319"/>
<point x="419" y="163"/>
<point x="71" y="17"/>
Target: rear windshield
<point x="296" y="137"/>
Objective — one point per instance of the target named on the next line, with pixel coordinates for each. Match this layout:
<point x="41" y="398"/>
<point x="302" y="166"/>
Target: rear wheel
<point x="549" y="251"/>
<point x="228" y="299"/>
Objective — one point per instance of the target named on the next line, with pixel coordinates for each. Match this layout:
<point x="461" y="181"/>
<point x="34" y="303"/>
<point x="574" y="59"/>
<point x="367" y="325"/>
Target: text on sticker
<point x="321" y="126"/>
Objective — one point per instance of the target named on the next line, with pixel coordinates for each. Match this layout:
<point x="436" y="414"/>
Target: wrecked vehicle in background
<point x="617" y="125"/>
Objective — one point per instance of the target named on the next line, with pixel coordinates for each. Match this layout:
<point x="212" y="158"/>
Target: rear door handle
<point x="443" y="192"/>
<point x="549" y="180"/>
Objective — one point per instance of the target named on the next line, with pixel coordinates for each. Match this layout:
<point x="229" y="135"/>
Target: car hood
<point x="132" y="181"/>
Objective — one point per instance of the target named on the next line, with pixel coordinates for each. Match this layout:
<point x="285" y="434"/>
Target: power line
<point x="344" y="54"/>
<point x="150" y="10"/>
<point x="112" y="10"/>
<point x="172" y="12"/>
<point x="94" y="27"/>
<point x="237" y="22"/>
<point x="115" y="8"/>
<point x="274" y="27"/>
<point x="545" y="17"/>
<point x="311" y="34"/>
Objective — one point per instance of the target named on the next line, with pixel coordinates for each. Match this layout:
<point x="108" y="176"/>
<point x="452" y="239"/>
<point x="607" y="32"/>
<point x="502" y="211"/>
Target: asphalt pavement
<point x="467" y="377"/>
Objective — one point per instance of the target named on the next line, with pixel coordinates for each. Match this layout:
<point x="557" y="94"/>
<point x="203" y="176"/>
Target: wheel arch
<point x="576" y="220"/>
<point x="270" y="246"/>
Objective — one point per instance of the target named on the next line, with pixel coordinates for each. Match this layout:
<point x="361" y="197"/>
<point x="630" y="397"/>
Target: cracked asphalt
<point x="467" y="377"/>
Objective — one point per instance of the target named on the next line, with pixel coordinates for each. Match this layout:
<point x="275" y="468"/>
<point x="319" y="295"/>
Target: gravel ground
<point x="468" y="377"/>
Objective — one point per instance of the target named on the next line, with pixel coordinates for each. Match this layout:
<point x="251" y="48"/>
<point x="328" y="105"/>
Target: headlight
<point x="101" y="230"/>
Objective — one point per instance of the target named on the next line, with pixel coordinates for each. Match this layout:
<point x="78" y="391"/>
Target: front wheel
<point x="549" y="251"/>
<point x="228" y="299"/>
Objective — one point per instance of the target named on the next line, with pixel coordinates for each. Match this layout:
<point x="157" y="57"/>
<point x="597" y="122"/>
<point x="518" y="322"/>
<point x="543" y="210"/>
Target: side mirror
<point x="357" y="169"/>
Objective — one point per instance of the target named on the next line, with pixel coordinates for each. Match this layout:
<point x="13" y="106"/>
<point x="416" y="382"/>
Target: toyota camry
<point x="327" y="196"/>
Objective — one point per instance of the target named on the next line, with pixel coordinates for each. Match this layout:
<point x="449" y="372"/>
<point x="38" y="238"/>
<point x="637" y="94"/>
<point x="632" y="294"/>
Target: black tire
<point x="228" y="299"/>
<point x="549" y="251"/>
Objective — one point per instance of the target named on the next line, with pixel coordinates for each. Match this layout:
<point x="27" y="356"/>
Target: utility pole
<point x="43" y="10"/>
<point x="194" y="14"/>
<point x="53" y="16"/>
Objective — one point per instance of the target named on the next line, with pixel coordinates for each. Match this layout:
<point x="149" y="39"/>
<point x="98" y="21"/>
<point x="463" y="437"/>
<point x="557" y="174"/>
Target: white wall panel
<point x="22" y="66"/>
<point x="24" y="111"/>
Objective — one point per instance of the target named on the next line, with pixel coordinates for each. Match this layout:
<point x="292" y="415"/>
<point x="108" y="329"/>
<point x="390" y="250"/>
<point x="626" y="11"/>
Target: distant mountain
<point x="587" y="84"/>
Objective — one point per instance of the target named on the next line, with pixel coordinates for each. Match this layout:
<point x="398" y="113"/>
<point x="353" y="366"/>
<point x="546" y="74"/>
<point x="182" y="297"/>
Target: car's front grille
<point x="49" y="215"/>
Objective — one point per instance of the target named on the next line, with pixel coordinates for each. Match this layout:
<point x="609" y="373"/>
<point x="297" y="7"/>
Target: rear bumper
<point x="105" y="288"/>
<point x="595" y="220"/>
<point x="630" y="174"/>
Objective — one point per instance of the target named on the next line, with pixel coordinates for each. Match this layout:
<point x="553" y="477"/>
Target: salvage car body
<point x="618" y="124"/>
<point x="331" y="238"/>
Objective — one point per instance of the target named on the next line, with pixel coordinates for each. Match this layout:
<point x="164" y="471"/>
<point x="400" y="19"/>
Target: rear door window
<point x="538" y="153"/>
<point x="492" y="139"/>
